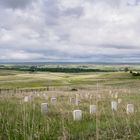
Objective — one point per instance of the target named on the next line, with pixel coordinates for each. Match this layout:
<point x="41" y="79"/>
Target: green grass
<point x="24" y="121"/>
<point x="21" y="120"/>
<point x="43" y="79"/>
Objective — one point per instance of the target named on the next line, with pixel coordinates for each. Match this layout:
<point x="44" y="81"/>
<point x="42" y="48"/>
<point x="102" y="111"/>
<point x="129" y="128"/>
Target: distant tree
<point x="74" y="89"/>
<point x="126" y="69"/>
<point x="33" y="69"/>
<point x="131" y="71"/>
<point x="135" y="73"/>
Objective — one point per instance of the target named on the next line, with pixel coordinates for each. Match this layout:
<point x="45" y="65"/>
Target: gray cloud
<point x="15" y="3"/>
<point x="118" y="3"/>
<point x="77" y="12"/>
<point x="51" y="11"/>
<point x="127" y="47"/>
<point x="76" y="30"/>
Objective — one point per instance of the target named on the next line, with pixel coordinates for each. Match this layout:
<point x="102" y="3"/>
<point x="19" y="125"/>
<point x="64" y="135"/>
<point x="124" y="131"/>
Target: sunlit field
<point x="23" y="120"/>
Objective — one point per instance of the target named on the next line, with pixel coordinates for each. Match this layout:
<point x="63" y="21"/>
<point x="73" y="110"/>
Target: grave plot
<point x="55" y="114"/>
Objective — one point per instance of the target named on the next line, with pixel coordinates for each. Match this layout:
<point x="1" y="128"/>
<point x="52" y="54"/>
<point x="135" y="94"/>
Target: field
<point x="21" y="120"/>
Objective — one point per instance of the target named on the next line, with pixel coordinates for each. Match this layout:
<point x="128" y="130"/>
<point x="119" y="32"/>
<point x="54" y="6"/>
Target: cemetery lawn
<point x="24" y="121"/>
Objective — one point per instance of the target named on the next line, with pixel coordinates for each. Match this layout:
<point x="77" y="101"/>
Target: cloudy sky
<point x="70" y="30"/>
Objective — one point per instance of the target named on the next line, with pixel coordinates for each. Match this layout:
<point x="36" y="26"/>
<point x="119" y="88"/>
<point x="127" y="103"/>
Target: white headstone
<point x="77" y="115"/>
<point x="99" y="96"/>
<point x="77" y="95"/>
<point x="44" y="108"/>
<point x="93" y="109"/>
<point x="27" y="98"/>
<point x="116" y="95"/>
<point x="91" y="97"/>
<point x="77" y="101"/>
<point x="53" y="100"/>
<point x="119" y="101"/>
<point x="72" y="100"/>
<point x="130" y="109"/>
<point x="44" y="94"/>
<point x="86" y="96"/>
<point x="114" y="105"/>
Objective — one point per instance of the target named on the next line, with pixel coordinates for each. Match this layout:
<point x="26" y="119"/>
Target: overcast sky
<point x="70" y="30"/>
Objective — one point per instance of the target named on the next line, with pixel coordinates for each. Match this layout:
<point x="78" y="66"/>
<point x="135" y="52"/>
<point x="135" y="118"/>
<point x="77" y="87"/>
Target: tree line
<point x="33" y="69"/>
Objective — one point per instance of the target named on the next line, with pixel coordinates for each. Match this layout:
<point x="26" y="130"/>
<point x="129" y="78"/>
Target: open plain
<point x="24" y="120"/>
